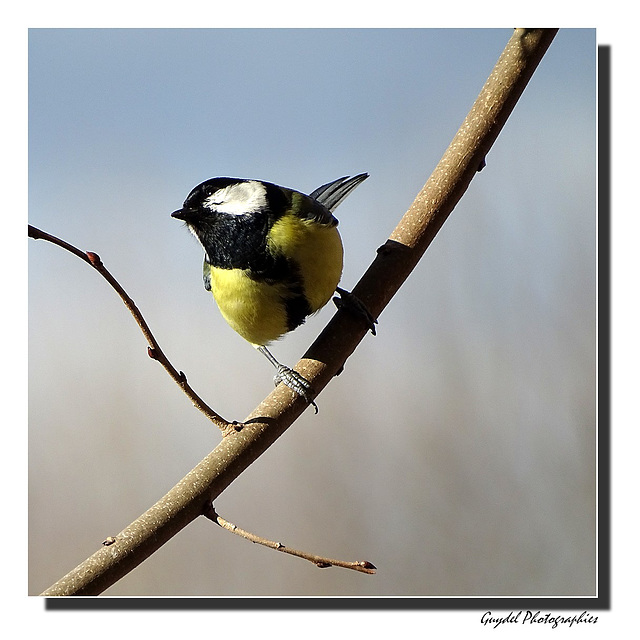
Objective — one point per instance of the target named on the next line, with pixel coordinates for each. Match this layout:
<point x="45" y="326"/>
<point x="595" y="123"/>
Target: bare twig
<point x="154" y="350"/>
<point x="359" y="565"/>
<point x="393" y="264"/>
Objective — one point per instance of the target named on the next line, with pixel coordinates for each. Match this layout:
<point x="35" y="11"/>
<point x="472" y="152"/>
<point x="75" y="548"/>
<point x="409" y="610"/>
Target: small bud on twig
<point x="94" y="259"/>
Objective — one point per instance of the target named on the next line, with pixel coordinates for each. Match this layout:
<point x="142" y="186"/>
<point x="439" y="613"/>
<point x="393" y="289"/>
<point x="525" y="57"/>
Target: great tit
<point x="272" y="256"/>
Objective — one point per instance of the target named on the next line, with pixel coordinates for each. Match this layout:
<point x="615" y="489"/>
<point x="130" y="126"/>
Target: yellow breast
<point x="252" y="308"/>
<point x="316" y="249"/>
<point x="256" y="309"/>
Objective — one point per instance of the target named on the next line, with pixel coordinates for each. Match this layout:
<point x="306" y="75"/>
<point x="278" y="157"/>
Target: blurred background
<point x="457" y="450"/>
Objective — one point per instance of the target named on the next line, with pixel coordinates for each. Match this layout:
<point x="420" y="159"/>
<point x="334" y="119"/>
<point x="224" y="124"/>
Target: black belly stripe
<point x="297" y="311"/>
<point x="278" y="271"/>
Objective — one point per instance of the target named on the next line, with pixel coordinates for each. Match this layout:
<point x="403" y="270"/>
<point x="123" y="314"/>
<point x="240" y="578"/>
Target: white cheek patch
<point x="238" y="199"/>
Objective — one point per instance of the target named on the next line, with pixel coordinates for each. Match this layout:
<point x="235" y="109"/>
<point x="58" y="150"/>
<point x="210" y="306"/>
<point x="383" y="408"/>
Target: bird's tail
<point x="333" y="193"/>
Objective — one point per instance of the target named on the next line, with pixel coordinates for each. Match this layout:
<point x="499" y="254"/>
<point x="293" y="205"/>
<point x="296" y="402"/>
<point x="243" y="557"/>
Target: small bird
<point x="272" y="257"/>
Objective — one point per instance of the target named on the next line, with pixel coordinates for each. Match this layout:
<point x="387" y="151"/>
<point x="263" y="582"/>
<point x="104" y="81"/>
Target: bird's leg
<point x="291" y="378"/>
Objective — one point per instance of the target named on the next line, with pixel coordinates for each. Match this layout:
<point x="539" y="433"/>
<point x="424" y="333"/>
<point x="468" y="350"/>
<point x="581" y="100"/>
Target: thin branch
<point x="359" y="565"/>
<point x="393" y="264"/>
<point x="154" y="350"/>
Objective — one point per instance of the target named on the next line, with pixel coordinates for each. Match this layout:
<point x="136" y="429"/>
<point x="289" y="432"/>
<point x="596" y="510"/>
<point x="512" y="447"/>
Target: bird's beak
<point x="187" y="214"/>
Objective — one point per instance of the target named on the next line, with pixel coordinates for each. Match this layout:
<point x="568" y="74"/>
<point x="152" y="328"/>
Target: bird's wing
<point x="206" y="273"/>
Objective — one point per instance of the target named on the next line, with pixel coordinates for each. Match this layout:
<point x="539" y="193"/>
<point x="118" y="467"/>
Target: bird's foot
<point x="296" y="382"/>
<point x="351" y="302"/>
